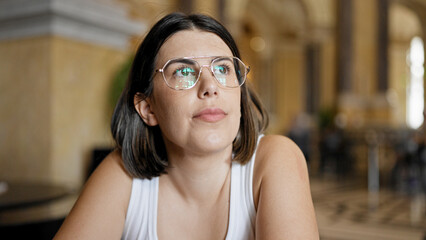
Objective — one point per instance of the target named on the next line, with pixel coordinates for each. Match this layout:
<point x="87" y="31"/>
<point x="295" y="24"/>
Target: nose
<point x="208" y="86"/>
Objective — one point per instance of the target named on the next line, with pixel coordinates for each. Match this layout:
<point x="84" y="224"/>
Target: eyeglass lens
<point x="183" y="73"/>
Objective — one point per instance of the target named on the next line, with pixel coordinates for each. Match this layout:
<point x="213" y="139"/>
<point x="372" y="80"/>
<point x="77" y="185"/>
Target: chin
<point x="217" y="141"/>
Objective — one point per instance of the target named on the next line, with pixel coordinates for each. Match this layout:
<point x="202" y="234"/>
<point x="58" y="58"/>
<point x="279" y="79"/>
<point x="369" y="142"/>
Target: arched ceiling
<point x="418" y="7"/>
<point x="277" y="17"/>
<point x="321" y="13"/>
<point x="149" y="10"/>
<point x="286" y="18"/>
<point x="404" y="24"/>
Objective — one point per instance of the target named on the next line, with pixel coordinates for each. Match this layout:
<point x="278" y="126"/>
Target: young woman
<point x="191" y="161"/>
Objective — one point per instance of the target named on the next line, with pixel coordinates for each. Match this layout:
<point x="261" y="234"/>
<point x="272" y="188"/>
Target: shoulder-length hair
<point x="141" y="146"/>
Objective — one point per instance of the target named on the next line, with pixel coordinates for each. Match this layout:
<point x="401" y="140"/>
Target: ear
<point x="144" y="108"/>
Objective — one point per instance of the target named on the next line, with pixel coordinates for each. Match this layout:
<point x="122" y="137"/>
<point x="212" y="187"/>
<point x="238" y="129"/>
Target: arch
<point x="404" y="25"/>
<point x="278" y="69"/>
<point x="415" y="85"/>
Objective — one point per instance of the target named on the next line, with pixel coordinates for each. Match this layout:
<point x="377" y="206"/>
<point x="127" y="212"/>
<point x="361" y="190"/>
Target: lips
<point x="210" y="115"/>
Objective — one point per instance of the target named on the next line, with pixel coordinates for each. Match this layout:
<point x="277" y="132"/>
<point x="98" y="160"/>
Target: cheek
<point x="238" y="103"/>
<point x="163" y="101"/>
<point x="170" y="120"/>
<point x="169" y="109"/>
<point x="167" y="112"/>
<point x="237" y="111"/>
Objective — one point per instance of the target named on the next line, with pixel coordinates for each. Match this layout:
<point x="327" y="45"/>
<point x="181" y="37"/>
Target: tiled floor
<point x="347" y="211"/>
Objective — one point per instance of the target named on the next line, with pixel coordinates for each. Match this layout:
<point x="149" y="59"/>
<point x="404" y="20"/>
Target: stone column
<point x="57" y="59"/>
<point x="382" y="45"/>
<point x="344" y="45"/>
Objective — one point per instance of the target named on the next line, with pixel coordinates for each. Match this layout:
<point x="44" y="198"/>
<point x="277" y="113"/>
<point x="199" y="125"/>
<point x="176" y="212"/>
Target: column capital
<point x="103" y="22"/>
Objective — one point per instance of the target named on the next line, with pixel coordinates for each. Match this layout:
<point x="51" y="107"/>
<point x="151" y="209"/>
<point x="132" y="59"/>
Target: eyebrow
<point x="222" y="58"/>
<point x="183" y="60"/>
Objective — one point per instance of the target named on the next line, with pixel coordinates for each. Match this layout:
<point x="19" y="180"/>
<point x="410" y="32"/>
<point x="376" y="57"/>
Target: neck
<point x="199" y="179"/>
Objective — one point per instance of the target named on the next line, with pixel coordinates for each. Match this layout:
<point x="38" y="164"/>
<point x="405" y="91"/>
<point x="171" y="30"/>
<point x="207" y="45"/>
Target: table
<point x="25" y="194"/>
<point x="30" y="210"/>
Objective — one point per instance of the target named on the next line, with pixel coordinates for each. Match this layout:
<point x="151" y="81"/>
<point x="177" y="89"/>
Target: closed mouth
<point x="211" y="115"/>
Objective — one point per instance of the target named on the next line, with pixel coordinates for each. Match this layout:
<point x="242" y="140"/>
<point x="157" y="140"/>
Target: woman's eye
<point x="184" y="72"/>
<point x="221" y="69"/>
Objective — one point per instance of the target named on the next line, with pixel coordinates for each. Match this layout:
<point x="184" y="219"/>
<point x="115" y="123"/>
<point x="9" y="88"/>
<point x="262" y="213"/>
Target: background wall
<point x="58" y="59"/>
<point x="333" y="74"/>
<point x="57" y="63"/>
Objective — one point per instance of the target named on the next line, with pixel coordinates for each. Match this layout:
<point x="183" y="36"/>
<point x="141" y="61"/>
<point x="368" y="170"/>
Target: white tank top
<point x="141" y="218"/>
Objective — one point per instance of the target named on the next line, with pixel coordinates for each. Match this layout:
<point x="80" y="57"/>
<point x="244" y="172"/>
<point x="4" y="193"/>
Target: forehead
<point x="192" y="43"/>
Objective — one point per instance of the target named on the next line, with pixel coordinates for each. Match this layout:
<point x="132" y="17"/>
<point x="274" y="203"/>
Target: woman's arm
<point x="281" y="192"/>
<point x="100" y="211"/>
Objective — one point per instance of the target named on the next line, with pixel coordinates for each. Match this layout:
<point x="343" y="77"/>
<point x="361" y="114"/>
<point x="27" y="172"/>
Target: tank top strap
<point x="141" y="217"/>
<point x="242" y="213"/>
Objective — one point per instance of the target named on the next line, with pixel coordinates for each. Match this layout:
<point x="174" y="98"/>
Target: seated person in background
<point x="191" y="161"/>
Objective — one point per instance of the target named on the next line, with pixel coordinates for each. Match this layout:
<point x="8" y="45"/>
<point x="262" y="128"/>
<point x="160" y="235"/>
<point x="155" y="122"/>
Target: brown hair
<point x="141" y="146"/>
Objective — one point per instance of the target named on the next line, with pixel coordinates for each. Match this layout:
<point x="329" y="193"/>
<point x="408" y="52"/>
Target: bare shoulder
<point x="111" y="167"/>
<point x="281" y="191"/>
<point x="276" y="154"/>
<point x="109" y="177"/>
<point x="100" y="210"/>
<point x="277" y="144"/>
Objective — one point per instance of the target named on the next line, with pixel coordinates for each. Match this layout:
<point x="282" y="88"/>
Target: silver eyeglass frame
<point x="209" y="66"/>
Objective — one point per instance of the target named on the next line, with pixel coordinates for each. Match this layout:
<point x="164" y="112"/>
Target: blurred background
<point x="343" y="78"/>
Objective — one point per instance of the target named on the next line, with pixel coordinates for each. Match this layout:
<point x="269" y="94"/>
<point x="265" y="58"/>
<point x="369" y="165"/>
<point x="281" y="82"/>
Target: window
<point x="415" y="88"/>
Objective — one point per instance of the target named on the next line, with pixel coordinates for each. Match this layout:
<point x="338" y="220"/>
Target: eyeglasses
<point x="184" y="73"/>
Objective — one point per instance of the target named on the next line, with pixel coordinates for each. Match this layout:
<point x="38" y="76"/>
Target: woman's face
<point x="204" y="118"/>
